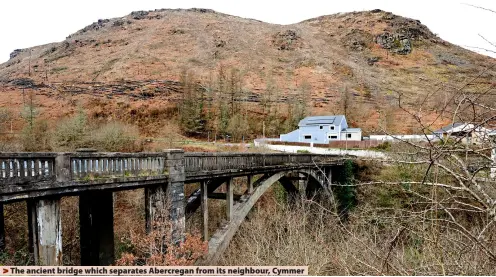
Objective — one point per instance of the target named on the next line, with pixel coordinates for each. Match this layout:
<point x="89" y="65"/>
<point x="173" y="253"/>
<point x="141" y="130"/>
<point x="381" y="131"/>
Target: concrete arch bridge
<point x="42" y="179"/>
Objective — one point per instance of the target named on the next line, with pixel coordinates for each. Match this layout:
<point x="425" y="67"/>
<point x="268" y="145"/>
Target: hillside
<point x="115" y="66"/>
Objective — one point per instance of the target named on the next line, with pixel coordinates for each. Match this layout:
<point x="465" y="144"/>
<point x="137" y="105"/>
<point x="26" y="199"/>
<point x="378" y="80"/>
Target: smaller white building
<point x="466" y="132"/>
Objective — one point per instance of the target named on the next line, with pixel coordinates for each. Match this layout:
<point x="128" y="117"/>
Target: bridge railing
<point x="18" y="168"/>
<point x="195" y="162"/>
<point x="88" y="166"/>
<point x="26" y="167"/>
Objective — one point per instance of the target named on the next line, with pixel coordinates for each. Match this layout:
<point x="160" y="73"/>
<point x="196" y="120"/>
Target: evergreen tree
<point x="191" y="109"/>
<point x="346" y="194"/>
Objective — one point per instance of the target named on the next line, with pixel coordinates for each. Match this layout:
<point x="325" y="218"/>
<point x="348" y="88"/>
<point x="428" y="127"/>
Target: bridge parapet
<point x="195" y="162"/>
<point x="26" y="167"/>
<point x="30" y="175"/>
<point x="91" y="166"/>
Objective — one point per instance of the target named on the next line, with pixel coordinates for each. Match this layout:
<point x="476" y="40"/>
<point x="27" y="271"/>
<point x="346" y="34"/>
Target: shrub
<point x="156" y="247"/>
<point x="35" y="136"/>
<point x="385" y="146"/>
<point x="5" y="117"/>
<point x="71" y="133"/>
<point x="115" y="137"/>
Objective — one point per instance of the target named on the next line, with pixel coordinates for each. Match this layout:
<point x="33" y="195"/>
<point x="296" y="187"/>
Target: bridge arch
<point x="220" y="240"/>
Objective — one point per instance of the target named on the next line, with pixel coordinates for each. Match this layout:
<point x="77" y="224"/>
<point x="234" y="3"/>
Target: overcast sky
<point x="25" y="23"/>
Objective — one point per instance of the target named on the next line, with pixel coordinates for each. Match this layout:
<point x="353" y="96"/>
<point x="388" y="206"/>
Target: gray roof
<point x="447" y="128"/>
<point x="320" y="120"/>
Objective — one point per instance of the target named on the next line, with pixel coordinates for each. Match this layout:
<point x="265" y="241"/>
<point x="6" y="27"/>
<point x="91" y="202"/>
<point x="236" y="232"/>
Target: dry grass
<point x="308" y="234"/>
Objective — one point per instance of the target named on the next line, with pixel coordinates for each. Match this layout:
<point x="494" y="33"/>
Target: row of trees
<point x="220" y="106"/>
<point x="68" y="134"/>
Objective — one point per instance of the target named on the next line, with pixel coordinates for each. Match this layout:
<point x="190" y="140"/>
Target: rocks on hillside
<point x="201" y="10"/>
<point x="287" y="40"/>
<point x="395" y="43"/>
<point x="95" y="25"/>
<point x="23" y="82"/>
<point x="120" y="22"/>
<point x="219" y="43"/>
<point x="357" y="40"/>
<point x="139" y="15"/>
<point x="176" y="31"/>
<point x="372" y="60"/>
<point x="402" y="32"/>
<point x="16" y="53"/>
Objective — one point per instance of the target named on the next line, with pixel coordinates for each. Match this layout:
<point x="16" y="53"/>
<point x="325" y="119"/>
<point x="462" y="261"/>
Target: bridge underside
<point x="300" y="182"/>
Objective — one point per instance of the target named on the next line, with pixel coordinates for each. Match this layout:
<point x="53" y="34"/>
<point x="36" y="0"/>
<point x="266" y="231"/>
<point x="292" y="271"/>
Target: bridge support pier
<point x="302" y="183"/>
<point x="155" y="207"/>
<point x="96" y="219"/>
<point x="46" y="229"/>
<point x="2" y="230"/>
<point x="229" y="199"/>
<point x="328" y="180"/>
<point x="169" y="197"/>
<point x="30" y="205"/>
<point x="175" y="192"/>
<point x="250" y="184"/>
<point x="204" y="208"/>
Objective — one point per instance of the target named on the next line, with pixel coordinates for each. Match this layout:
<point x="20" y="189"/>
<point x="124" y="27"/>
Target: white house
<point x="323" y="129"/>
<point x="466" y="132"/>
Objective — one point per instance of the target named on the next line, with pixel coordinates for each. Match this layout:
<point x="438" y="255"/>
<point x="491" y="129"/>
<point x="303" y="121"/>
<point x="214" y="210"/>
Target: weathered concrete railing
<point x="18" y="168"/>
<point x="195" y="162"/>
<point x="90" y="166"/>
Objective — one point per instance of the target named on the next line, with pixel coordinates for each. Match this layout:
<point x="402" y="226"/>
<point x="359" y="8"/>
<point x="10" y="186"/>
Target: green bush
<point x="71" y="133"/>
<point x="35" y="137"/>
<point x="346" y="194"/>
<point x="385" y="146"/>
<point x="115" y="137"/>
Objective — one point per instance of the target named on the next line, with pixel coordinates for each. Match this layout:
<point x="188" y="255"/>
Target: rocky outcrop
<point x="139" y="15"/>
<point x="357" y="40"/>
<point x="372" y="60"/>
<point x="95" y="26"/>
<point x="16" y="53"/>
<point x="402" y="33"/>
<point x="287" y="40"/>
<point x="23" y="82"/>
<point x="120" y="22"/>
<point x="396" y="43"/>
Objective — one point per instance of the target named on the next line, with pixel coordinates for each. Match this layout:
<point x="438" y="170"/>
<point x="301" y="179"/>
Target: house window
<point x="348" y="135"/>
<point x="334" y="137"/>
<point x="308" y="136"/>
<point x="331" y="127"/>
<point x="321" y="127"/>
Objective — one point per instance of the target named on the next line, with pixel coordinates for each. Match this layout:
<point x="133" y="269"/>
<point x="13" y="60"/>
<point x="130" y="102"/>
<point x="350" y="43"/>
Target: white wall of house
<point x="352" y="136"/>
<point x="328" y="151"/>
<point x="402" y="137"/>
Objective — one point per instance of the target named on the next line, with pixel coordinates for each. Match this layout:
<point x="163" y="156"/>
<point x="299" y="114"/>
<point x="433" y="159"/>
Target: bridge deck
<point x="29" y="175"/>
